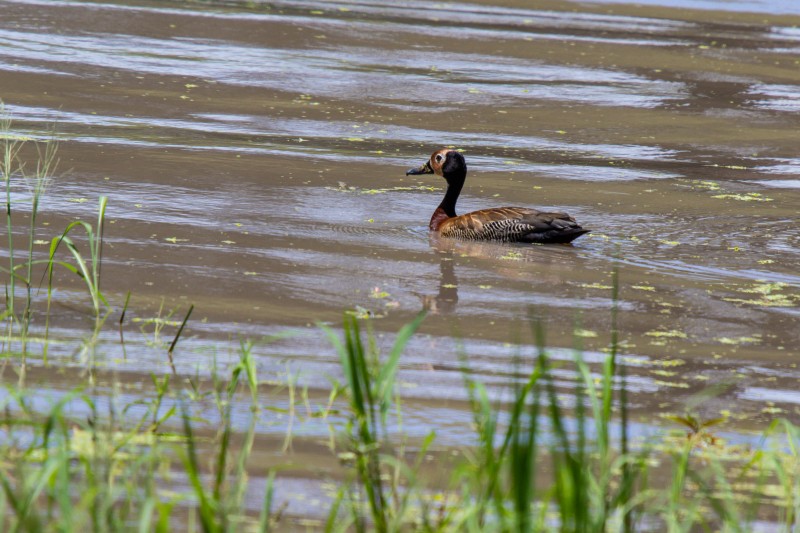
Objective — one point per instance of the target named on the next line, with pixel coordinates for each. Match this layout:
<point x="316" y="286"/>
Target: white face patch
<point x="437" y="160"/>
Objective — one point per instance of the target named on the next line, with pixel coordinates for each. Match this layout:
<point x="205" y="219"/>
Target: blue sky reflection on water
<point x="775" y="7"/>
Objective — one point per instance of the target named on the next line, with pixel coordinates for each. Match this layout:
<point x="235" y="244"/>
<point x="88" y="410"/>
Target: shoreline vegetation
<point x="187" y="457"/>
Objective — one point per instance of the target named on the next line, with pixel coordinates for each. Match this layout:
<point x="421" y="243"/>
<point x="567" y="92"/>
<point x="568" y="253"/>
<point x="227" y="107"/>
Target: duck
<point x="505" y="224"/>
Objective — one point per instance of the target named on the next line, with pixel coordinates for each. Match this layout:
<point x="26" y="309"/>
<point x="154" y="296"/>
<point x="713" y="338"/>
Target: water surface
<point x="254" y="162"/>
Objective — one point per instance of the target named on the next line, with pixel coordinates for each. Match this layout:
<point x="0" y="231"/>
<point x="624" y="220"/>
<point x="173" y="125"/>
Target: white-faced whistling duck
<point x="506" y="224"/>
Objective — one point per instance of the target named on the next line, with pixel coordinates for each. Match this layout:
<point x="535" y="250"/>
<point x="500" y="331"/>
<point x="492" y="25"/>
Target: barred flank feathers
<point x="513" y="224"/>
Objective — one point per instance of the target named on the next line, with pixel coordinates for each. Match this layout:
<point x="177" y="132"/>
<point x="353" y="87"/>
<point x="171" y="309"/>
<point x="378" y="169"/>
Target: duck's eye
<point x="439" y="158"/>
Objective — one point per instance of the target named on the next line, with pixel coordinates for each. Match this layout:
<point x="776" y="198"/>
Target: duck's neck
<point x="447" y="208"/>
<point x="448" y="204"/>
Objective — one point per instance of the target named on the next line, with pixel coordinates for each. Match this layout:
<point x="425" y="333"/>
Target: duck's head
<point x="446" y="163"/>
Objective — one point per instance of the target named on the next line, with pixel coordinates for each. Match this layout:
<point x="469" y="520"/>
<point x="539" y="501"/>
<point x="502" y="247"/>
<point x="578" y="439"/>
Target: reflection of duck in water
<point x="507" y="224"/>
<point x="553" y="267"/>
<point x="447" y="299"/>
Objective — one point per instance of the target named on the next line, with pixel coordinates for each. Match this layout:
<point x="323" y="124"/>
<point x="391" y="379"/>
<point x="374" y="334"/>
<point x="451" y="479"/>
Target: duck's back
<point x="513" y="224"/>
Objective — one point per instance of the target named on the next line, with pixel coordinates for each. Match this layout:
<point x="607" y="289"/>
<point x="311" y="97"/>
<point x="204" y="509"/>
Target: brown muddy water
<point x="254" y="155"/>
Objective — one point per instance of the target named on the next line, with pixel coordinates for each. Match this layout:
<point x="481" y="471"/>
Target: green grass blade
<point x="264" y="523"/>
<point x="206" y="505"/>
<point x="388" y="370"/>
<point x="97" y="249"/>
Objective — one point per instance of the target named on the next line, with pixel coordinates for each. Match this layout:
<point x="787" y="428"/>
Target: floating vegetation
<point x="512" y="256"/>
<point x="736" y="341"/>
<point x="703" y="184"/>
<point x="732" y="167"/>
<point x="378" y="293"/>
<point x="343" y="187"/>
<point x="388" y="302"/>
<point x="770" y="300"/>
<point x="770" y="294"/>
<point x="671" y="334"/>
<point x="643" y="361"/>
<point x="664" y="373"/>
<point x="596" y="286"/>
<point x="672" y="384"/>
<point x="745" y="197"/>
<point x="765" y="288"/>
<point x="708" y="185"/>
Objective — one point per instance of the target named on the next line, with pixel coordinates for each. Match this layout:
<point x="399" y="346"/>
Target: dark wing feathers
<point x="513" y="224"/>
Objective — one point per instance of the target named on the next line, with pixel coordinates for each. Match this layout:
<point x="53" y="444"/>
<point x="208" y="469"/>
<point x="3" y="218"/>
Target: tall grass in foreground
<point x="120" y="471"/>
<point x="532" y="465"/>
<point x="498" y="481"/>
<point x="369" y="389"/>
